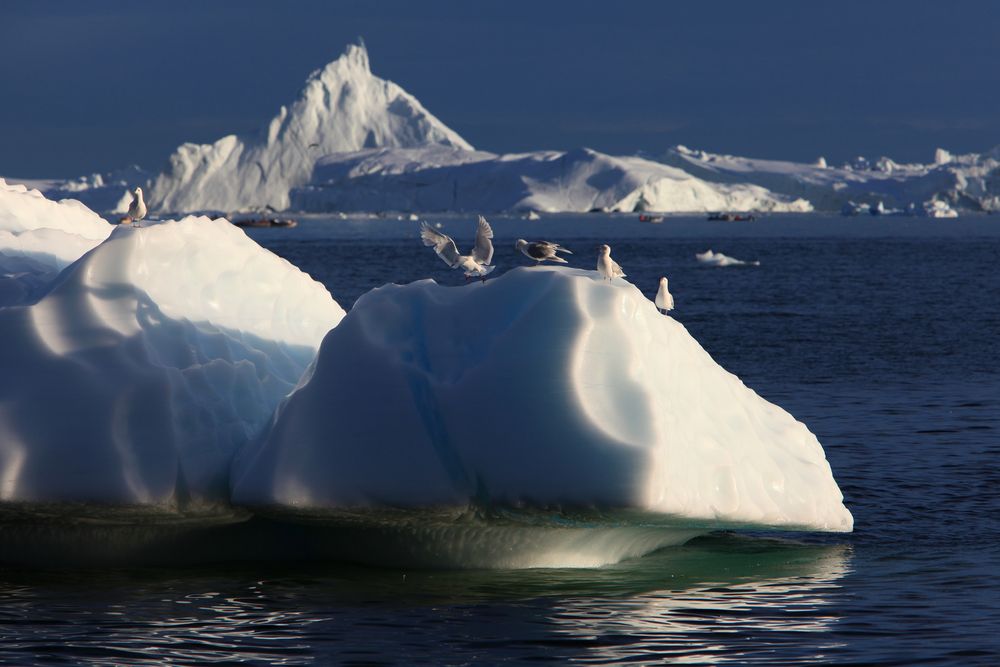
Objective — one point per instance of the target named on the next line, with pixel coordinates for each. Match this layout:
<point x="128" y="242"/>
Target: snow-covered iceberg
<point x="39" y="238"/>
<point x="152" y="359"/>
<point x="546" y="398"/>
<point x="343" y="107"/>
<point x="970" y="182"/>
<point x="441" y="178"/>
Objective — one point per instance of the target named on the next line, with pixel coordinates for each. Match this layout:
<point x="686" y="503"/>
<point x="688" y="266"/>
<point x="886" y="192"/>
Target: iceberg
<point x="147" y="364"/>
<point x="448" y="178"/>
<point x="936" y="208"/>
<point x="969" y="181"/>
<point x="39" y="238"/>
<point x="556" y="414"/>
<point x="709" y="258"/>
<point x="343" y="107"/>
<point x="107" y="192"/>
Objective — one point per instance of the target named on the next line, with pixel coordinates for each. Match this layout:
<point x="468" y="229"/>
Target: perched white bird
<point x="541" y="251"/>
<point x="137" y="209"/>
<point x="607" y="267"/>
<point x="476" y="263"/>
<point x="664" y="300"/>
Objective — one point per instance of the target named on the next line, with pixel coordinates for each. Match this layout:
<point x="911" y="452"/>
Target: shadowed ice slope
<point x="150" y="361"/>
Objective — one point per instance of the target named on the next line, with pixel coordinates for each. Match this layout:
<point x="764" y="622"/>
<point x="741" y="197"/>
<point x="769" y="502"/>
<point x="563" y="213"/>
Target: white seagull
<point x="541" y="251"/>
<point x="476" y="263"/>
<point x="664" y="300"/>
<point x="137" y="209"/>
<point x="607" y="267"/>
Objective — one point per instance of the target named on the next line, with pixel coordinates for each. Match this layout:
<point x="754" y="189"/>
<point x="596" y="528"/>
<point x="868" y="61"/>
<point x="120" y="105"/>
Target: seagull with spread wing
<point x="541" y="251"/>
<point x="477" y="263"/>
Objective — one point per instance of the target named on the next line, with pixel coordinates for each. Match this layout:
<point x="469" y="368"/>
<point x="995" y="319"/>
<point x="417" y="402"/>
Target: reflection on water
<point x="769" y="595"/>
<point x="718" y="598"/>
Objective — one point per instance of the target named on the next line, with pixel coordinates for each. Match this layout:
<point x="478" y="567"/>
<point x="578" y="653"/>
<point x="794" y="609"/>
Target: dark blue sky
<point x="89" y="86"/>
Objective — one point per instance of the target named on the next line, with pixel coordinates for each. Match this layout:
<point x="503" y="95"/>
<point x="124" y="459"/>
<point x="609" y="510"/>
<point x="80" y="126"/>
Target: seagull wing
<point x="483" y="252"/>
<point x="555" y="247"/>
<point x="443" y="245"/>
<point x="616" y="270"/>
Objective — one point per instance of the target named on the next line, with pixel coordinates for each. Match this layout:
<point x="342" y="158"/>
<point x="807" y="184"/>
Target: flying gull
<point x="137" y="209"/>
<point x="541" y="251"/>
<point x="607" y="267"/>
<point x="664" y="300"/>
<point x="476" y="263"/>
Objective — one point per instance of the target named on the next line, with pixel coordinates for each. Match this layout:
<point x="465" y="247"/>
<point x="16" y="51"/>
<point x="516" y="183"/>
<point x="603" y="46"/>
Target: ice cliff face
<point x="39" y="238"/>
<point x="437" y="178"/>
<point x="152" y="359"/>
<point x="343" y="107"/>
<point x="547" y="388"/>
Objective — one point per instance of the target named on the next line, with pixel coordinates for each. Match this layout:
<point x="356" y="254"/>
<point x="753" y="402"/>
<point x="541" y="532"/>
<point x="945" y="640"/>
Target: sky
<point x="93" y="86"/>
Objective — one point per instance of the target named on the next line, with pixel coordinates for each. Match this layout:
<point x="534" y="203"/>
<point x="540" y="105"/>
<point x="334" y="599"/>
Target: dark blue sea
<point x="882" y="335"/>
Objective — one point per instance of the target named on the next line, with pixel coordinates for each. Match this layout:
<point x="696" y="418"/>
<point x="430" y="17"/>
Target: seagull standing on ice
<point x="137" y="209"/>
<point x="664" y="300"/>
<point x="475" y="264"/>
<point x="607" y="267"/>
<point x="541" y="251"/>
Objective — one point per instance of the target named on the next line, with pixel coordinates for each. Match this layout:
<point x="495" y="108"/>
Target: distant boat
<point x="732" y="217"/>
<point x="650" y="218"/>
<point x="287" y="223"/>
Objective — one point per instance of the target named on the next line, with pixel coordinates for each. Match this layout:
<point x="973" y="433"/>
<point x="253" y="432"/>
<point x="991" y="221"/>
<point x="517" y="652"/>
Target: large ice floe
<point x="152" y="358"/>
<point x="39" y="238"/>
<point x="343" y="107"/>
<point x="543" y="418"/>
<point x="443" y="178"/>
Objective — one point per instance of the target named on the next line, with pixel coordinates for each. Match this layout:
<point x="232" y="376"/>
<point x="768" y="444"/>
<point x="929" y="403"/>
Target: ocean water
<point x="880" y="335"/>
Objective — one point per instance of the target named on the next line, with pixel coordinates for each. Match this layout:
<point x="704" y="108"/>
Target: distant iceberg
<point x="107" y="192"/>
<point x="343" y="107"/>
<point x="147" y="364"/>
<point x="961" y="181"/>
<point x="710" y="258"/>
<point x="441" y="178"/>
<point x="540" y="396"/>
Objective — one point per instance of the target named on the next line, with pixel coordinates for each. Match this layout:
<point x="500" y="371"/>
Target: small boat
<point x="650" y="218"/>
<point x="732" y="217"/>
<point x="287" y="223"/>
